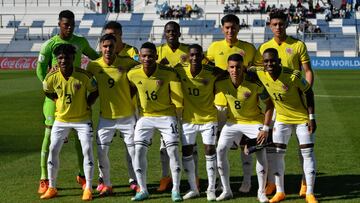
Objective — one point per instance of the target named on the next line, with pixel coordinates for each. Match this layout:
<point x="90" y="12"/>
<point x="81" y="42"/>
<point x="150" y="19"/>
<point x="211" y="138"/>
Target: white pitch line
<point x="337" y="96"/>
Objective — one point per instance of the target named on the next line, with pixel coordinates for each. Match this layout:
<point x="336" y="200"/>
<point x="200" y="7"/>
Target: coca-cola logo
<point x="18" y="62"/>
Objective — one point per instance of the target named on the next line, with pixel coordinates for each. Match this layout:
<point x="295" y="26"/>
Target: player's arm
<point x="306" y="65"/>
<point x="311" y="109"/>
<point x="220" y="104"/>
<point x="94" y="93"/>
<point x="89" y="52"/>
<point x="176" y="96"/>
<point x="52" y="96"/>
<point x="92" y="97"/>
<point x="48" y="89"/>
<point x="43" y="61"/>
<point x="309" y="74"/>
<point x="269" y="109"/>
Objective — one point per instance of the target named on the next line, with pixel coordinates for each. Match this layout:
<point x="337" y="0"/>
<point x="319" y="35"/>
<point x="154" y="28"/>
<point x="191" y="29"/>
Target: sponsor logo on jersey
<point x="139" y="83"/>
<point x="58" y="87"/>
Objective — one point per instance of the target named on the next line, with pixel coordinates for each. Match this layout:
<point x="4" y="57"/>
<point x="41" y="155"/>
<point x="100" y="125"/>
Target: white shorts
<point x="282" y="133"/>
<point x="234" y="132"/>
<point x="61" y="130"/>
<point x="107" y="128"/>
<point x="167" y="125"/>
<point x="207" y="131"/>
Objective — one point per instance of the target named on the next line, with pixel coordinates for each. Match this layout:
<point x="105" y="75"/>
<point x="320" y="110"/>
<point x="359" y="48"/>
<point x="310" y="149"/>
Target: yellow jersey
<point x="154" y="92"/>
<point x="292" y="52"/>
<point x="284" y="93"/>
<point x="71" y="105"/>
<point x="130" y="51"/>
<point x="198" y="93"/>
<point x="219" y="52"/>
<point x="114" y="89"/>
<point x="243" y="102"/>
<point x="174" y="57"/>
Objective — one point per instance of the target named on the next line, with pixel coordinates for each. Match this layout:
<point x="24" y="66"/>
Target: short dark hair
<point x="235" y="57"/>
<point x="66" y="49"/>
<point x="175" y="24"/>
<point x="277" y="14"/>
<point x="113" y="25"/>
<point x="196" y="46"/>
<point x="230" y="18"/>
<point x="66" y="14"/>
<point x="107" y="37"/>
<point x="272" y="51"/>
<point x="148" y="45"/>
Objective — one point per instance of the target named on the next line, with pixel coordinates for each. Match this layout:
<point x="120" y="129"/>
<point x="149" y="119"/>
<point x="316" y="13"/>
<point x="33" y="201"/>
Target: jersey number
<point x="237" y="105"/>
<point x="111" y="82"/>
<point x="278" y="97"/>
<point x="174" y="128"/>
<point x="68" y="98"/>
<point x="151" y="96"/>
<point x="194" y="91"/>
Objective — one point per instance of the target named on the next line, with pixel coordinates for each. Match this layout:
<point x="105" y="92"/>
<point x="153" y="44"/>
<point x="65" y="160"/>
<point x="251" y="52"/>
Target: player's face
<point x="195" y="57"/>
<point x="65" y="61"/>
<point x="230" y="31"/>
<point x="115" y="32"/>
<point x="271" y="62"/>
<point x="235" y="69"/>
<point x="108" y="48"/>
<point x="148" y="57"/>
<point x="66" y="27"/>
<point x="278" y="27"/>
<point x="172" y="34"/>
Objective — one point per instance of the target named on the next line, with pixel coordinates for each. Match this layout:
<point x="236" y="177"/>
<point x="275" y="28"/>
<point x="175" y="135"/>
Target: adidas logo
<point x="58" y="87"/>
<point x="140" y="83"/>
<point x="267" y="84"/>
<point x="221" y="53"/>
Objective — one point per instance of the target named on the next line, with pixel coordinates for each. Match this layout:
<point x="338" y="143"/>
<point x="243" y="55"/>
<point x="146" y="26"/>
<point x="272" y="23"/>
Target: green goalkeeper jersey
<point x="47" y="58"/>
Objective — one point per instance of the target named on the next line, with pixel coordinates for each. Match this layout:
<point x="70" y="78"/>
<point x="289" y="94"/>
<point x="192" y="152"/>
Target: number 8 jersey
<point x="71" y="105"/>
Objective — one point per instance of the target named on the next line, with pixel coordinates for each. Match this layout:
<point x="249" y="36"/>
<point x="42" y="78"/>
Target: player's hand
<point x="312" y="126"/>
<point x="54" y="68"/>
<point x="164" y="61"/>
<point x="262" y="137"/>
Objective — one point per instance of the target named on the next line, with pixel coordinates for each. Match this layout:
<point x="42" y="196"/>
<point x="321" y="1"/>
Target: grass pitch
<point x="21" y="133"/>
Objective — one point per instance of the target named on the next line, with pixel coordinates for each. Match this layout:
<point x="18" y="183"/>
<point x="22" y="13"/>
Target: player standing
<point x="153" y="83"/>
<point x="244" y="116"/>
<point x="293" y="54"/>
<point x="219" y="52"/>
<point x="47" y="60"/>
<point x="199" y="116"/>
<point x="68" y="87"/>
<point x="287" y="88"/>
<point x="116" y="108"/>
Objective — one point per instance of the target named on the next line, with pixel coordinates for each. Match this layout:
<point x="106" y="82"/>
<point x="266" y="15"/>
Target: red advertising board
<point x="27" y="63"/>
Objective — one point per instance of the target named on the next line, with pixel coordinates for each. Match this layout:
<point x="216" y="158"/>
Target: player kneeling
<point x="68" y="87"/>
<point x="244" y="118"/>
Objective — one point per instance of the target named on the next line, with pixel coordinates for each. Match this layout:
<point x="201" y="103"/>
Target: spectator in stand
<point x="349" y="5"/>
<point x="243" y="24"/>
<point x="268" y="9"/>
<point x="196" y="10"/>
<point x="262" y="6"/>
<point x="317" y="30"/>
<point x="328" y="14"/>
<point x="318" y="8"/>
<point x="128" y="5"/>
<point x="342" y="13"/>
<point x="299" y="5"/>
<point x="357" y="4"/>
<point x="292" y="8"/>
<point x="282" y="7"/>
<point x="110" y="6"/>
<point x="188" y="10"/>
<point x="226" y="8"/>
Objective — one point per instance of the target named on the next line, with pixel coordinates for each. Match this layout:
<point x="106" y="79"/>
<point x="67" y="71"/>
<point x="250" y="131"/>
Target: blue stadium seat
<point x="13" y="23"/>
<point x="259" y="23"/>
<point x="349" y="22"/>
<point x="37" y="23"/>
<point x="98" y="19"/>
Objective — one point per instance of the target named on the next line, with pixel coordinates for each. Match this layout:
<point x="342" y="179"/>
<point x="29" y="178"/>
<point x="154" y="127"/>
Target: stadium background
<point x="26" y="24"/>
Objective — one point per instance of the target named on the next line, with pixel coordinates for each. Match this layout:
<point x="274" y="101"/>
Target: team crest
<point x="77" y="86"/>
<point x="242" y="53"/>
<point x="286" y="88"/>
<point x="289" y="51"/>
<point x="159" y="82"/>
<point x="205" y="81"/>
<point x="247" y="95"/>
